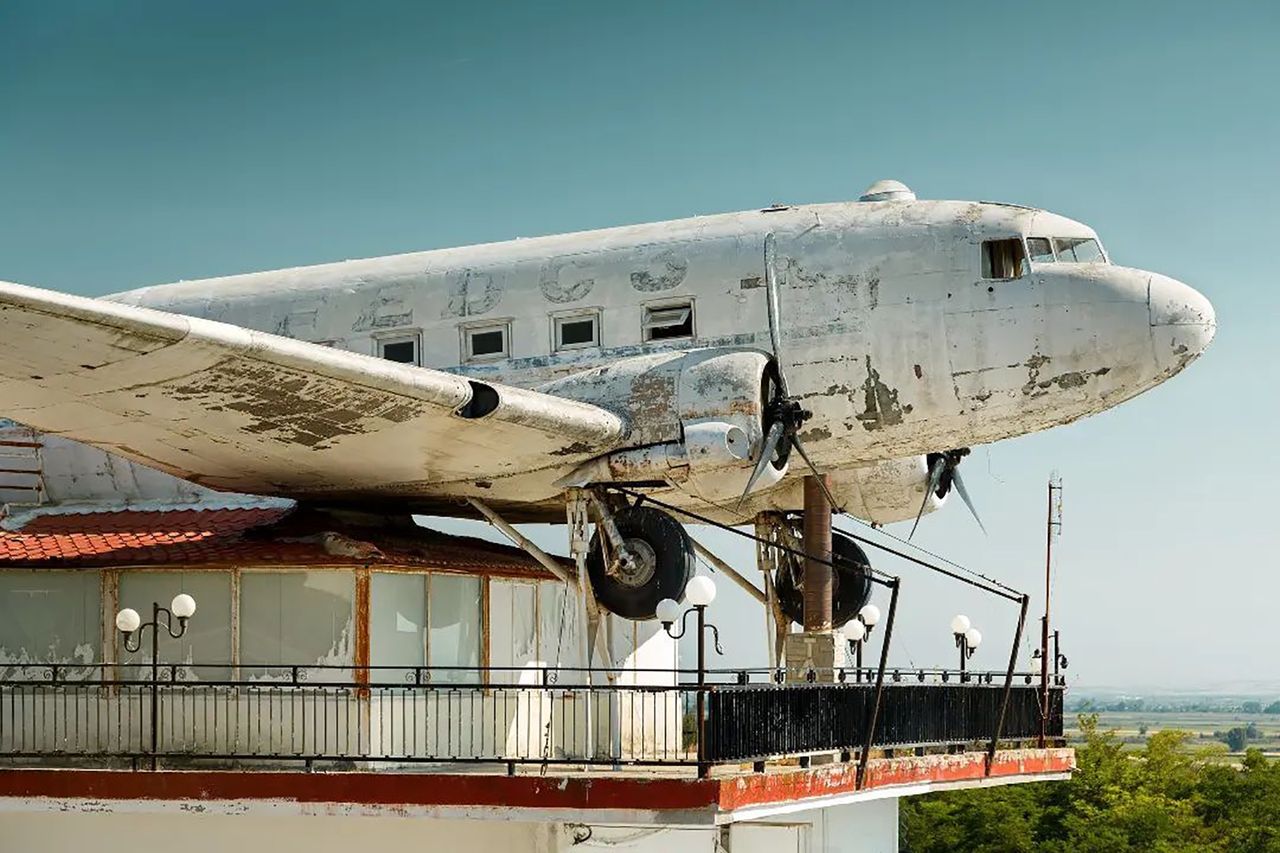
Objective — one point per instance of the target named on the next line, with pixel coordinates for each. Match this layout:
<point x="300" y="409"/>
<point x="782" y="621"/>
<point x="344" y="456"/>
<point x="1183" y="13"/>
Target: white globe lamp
<point x="128" y="620"/>
<point x="960" y="624"/>
<point x="701" y="591"/>
<point x="668" y="610"/>
<point x="183" y="606"/>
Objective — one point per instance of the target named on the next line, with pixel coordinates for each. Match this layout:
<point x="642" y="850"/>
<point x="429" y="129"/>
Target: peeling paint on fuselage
<point x="890" y="334"/>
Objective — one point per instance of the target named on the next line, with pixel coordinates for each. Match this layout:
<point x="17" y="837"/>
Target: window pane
<point x="558" y="612"/>
<point x="454" y="625"/>
<point x="404" y="352"/>
<point x="49" y="617"/>
<point x="513" y="635"/>
<point x="577" y="332"/>
<point x="487" y="343"/>
<point x="1041" y="250"/>
<point x="1081" y="250"/>
<point x="397" y="623"/>
<point x="296" y="619"/>
<point x="207" y="642"/>
<point x="674" y="321"/>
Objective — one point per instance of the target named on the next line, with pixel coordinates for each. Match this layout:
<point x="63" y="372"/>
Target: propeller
<point x="783" y="414"/>
<point x="944" y="474"/>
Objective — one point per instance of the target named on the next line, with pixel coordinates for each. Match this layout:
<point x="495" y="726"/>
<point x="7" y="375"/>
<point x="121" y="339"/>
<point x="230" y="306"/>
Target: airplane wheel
<point x="850" y="590"/>
<point x="663" y="566"/>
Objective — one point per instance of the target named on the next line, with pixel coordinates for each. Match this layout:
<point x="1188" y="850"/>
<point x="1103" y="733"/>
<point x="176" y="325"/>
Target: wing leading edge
<point x="235" y="409"/>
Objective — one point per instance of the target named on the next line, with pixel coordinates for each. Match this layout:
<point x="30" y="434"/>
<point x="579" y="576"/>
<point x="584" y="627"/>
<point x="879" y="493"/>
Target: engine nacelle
<point x="695" y="419"/>
<point x="888" y="491"/>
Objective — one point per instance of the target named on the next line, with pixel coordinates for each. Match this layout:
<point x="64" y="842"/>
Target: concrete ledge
<point x="621" y="798"/>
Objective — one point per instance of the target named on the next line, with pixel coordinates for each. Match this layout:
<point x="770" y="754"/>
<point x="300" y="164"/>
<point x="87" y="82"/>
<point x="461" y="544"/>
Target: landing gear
<point x="656" y="562"/>
<point x="851" y="586"/>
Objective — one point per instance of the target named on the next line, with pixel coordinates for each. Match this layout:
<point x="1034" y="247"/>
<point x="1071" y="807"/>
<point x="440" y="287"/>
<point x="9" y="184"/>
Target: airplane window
<point x="1003" y="258"/>
<point x="663" y="322"/>
<point x="577" y="332"/>
<point x="1080" y="250"/>
<point x="403" y="350"/>
<point x="1041" y="250"/>
<point x="485" y="342"/>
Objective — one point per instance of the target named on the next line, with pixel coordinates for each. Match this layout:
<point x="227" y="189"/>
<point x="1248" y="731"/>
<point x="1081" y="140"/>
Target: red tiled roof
<point x="242" y="536"/>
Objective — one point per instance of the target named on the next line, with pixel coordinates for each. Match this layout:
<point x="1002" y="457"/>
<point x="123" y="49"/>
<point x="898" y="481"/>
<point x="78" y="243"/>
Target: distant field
<point x="1131" y="725"/>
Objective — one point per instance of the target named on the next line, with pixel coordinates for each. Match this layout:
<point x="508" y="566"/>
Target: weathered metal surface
<point x="891" y="334"/>
<point x="236" y="409"/>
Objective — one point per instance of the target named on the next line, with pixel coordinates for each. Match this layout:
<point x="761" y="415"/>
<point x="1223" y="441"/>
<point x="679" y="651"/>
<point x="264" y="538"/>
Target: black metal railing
<point x="102" y="714"/>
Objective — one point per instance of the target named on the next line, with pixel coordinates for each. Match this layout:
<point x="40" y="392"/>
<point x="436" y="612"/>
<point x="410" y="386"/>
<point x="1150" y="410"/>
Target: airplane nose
<point x="1182" y="321"/>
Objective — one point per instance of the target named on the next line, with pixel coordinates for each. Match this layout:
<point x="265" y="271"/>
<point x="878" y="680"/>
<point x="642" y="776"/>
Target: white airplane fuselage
<point x="893" y="333"/>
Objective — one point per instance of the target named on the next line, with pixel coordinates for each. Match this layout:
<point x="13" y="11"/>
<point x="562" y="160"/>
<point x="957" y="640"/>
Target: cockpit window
<point x="1079" y="250"/>
<point x="1041" y="250"/>
<point x="1003" y="258"/>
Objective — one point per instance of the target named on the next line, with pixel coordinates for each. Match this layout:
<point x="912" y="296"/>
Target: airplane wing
<point x="246" y="411"/>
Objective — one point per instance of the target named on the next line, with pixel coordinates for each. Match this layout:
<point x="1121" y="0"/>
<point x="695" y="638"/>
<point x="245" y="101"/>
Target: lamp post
<point x="1059" y="659"/>
<point x="857" y="631"/>
<point x="131" y="625"/>
<point x="701" y="591"/>
<point x="967" y="638"/>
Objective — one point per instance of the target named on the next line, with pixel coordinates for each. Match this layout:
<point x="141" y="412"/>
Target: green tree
<point x="1235" y="738"/>
<point x="1165" y="797"/>
<point x="1273" y="708"/>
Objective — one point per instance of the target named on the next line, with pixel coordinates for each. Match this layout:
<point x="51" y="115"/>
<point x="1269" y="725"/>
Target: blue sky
<point x="143" y="142"/>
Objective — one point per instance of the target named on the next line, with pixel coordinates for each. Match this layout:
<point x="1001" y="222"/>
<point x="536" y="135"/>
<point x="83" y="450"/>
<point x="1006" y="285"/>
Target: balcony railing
<point x="113" y="715"/>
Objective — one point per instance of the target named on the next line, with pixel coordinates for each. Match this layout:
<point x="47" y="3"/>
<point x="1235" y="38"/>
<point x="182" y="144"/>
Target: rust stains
<point x="1035" y="386"/>
<point x="881" y="407"/>
<point x="1033" y="365"/>
<point x="653" y="397"/>
<point x="291" y="407"/>
<point x="816" y="434"/>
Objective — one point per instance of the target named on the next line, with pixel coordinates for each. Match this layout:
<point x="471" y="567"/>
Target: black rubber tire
<point x="674" y="564"/>
<point x="850" y="591"/>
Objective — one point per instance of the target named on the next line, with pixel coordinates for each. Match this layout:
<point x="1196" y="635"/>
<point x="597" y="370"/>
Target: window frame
<point x="650" y="308"/>
<point x="381" y="342"/>
<point x="1102" y="253"/>
<point x="1021" y="268"/>
<point x="1053" y="250"/>
<point x="468" y="331"/>
<point x="559" y="320"/>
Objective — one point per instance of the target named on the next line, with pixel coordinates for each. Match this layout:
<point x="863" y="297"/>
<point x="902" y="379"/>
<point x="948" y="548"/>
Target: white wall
<point x="193" y="832"/>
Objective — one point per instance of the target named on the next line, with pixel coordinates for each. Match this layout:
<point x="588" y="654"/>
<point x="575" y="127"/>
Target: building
<point x="349" y="680"/>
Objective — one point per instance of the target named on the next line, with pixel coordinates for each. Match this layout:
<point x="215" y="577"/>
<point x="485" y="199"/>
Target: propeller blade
<point x="773" y="299"/>
<point x="767" y="452"/>
<point x="822" y="481"/>
<point x="964" y="496"/>
<point x="935" y="477"/>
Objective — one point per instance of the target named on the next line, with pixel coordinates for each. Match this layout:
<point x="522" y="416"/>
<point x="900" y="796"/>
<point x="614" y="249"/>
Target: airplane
<point x="709" y="362"/>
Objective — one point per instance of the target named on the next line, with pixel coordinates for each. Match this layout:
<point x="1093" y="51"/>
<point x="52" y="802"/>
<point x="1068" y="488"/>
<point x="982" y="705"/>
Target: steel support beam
<point x="521" y="541"/>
